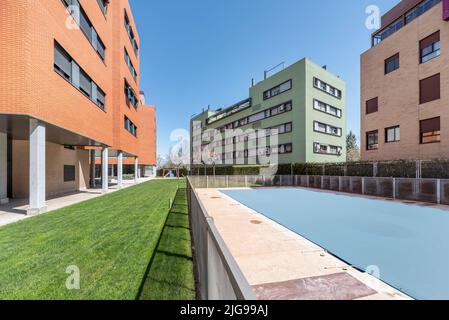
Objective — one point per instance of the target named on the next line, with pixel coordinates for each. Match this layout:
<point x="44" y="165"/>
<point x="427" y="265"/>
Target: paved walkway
<point x="16" y="210"/>
<point x="280" y="264"/>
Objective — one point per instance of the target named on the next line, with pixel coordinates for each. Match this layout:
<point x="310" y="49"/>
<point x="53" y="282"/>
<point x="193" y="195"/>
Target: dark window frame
<point x="434" y="46"/>
<point x="368" y="144"/>
<point x="395" y="59"/>
<point x="61" y="73"/>
<point x="82" y="13"/>
<point x="58" y="69"/>
<point x="434" y="133"/>
<point x="338" y="93"/>
<point x="330" y="106"/>
<point x="327" y="126"/>
<point x="270" y="91"/>
<point x="130" y="127"/>
<point x="315" y="151"/>
<point x="130" y="65"/>
<point x="131" y="34"/>
<point x="129" y="89"/>
<point x="396" y="138"/>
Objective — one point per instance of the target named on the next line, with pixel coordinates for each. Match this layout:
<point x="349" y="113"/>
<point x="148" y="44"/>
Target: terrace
<point x="404" y="19"/>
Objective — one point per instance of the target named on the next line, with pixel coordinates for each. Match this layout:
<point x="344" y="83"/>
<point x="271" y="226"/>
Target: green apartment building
<point x="303" y="107"/>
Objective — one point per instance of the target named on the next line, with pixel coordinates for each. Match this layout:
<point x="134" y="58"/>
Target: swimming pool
<point x="408" y="243"/>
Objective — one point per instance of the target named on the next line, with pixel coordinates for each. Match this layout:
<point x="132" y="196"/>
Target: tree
<point x="160" y="161"/>
<point x="353" y="150"/>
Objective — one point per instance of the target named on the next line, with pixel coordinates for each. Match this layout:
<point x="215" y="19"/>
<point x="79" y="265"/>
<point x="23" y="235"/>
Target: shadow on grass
<point x="170" y="274"/>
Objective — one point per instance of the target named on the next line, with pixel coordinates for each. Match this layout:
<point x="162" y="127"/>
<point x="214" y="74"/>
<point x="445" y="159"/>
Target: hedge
<point x="436" y="169"/>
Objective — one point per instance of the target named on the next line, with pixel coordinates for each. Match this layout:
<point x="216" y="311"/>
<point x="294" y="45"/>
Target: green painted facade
<point x="303" y="115"/>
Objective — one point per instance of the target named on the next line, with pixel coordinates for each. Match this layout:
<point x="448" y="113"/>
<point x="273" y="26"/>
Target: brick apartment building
<point x="69" y="86"/>
<point x="405" y="84"/>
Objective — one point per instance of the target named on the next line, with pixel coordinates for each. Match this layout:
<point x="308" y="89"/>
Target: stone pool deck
<point x="280" y="264"/>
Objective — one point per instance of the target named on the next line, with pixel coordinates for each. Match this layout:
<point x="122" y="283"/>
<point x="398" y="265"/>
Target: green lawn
<point x="170" y="275"/>
<point x="111" y="239"/>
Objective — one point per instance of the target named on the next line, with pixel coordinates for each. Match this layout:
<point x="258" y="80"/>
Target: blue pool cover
<point x="408" y="243"/>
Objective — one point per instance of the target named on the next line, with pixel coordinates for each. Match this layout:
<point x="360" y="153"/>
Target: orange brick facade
<point x="31" y="89"/>
<point x="398" y="92"/>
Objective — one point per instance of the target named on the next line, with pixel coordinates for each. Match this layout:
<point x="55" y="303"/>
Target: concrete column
<point x="104" y="169"/>
<point x="37" y="168"/>
<point x="136" y="169"/>
<point x="92" y="168"/>
<point x="3" y="168"/>
<point x="120" y="169"/>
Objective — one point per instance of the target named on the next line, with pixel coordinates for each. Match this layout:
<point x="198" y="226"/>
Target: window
<point x="327" y="149"/>
<point x="101" y="49"/>
<point x="130" y="96"/>
<point x="85" y="25"/>
<point x="372" y="140"/>
<point x="321" y="127"/>
<point x="131" y="36"/>
<point x="130" y="65"/>
<point x="328" y="129"/>
<point x="430" y="131"/>
<point x="277" y="90"/>
<point x="392" y="64"/>
<point x="69" y="173"/>
<point x="430" y="47"/>
<point x="80" y="16"/>
<point x="323" y="86"/>
<point x="66" y="67"/>
<point x="429" y="89"/>
<point x="372" y="105"/>
<point x="256" y="117"/>
<point x="262" y="133"/>
<point x="85" y="84"/>
<point x="326" y="108"/>
<point x="281" y="129"/>
<point x="101" y="98"/>
<point x="130" y="127"/>
<point x="393" y="134"/>
<point x="63" y="62"/>
<point x="281" y="149"/>
<point x="103" y="5"/>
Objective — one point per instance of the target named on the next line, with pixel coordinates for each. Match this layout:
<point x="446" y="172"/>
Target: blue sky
<point x="205" y="52"/>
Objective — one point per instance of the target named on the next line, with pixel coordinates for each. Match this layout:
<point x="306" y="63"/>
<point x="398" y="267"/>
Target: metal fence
<point x="424" y="190"/>
<point x="220" y="278"/>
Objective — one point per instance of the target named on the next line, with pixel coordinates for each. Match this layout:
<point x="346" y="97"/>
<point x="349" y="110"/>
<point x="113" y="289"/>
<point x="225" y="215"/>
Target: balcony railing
<point x="245" y="104"/>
